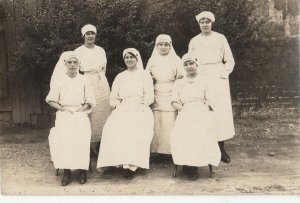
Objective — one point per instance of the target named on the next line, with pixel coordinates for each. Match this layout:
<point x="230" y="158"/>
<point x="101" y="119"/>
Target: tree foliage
<point x="55" y="27"/>
<point x="288" y="7"/>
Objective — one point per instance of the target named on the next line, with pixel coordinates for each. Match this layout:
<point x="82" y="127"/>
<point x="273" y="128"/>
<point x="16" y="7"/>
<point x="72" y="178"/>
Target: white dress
<point x="69" y="140"/>
<point x="93" y="65"/>
<point x="128" y="131"/>
<point x="216" y="62"/>
<point x="192" y="142"/>
<point x="164" y="71"/>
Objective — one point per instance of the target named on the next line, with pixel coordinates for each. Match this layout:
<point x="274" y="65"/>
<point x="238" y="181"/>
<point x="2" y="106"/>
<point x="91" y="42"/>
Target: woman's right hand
<point x="177" y="106"/>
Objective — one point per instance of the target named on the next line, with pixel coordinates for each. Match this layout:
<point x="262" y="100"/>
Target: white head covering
<point x="155" y="56"/>
<point x="68" y="55"/>
<point x="137" y="54"/>
<point x="206" y="14"/>
<point x="87" y="28"/>
<point x="163" y="38"/>
<point x="189" y="57"/>
<point x="60" y="67"/>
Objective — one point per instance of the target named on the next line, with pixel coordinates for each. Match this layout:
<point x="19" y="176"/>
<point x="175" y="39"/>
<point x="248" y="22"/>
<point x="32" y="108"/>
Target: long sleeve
<point x="191" y="47"/>
<point x="179" y="69"/>
<point x="175" y="93"/>
<point x="208" y="98"/>
<point x="148" y="69"/>
<point x="104" y="61"/>
<point x="114" y="94"/>
<point x="53" y="94"/>
<point x="227" y="58"/>
<point x="148" y="89"/>
<point x="209" y="95"/>
<point x="149" y="64"/>
<point x="89" y="96"/>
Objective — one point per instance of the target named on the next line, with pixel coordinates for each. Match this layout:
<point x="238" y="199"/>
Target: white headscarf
<point x="155" y="53"/>
<point x="88" y="28"/>
<point x="137" y="54"/>
<point x="206" y="14"/>
<point x="60" y="67"/>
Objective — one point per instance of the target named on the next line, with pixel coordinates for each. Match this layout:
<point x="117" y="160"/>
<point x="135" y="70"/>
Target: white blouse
<point x="72" y="91"/>
<point x="212" y="49"/>
<point x="136" y="85"/>
<point x="191" y="90"/>
<point x="91" y="58"/>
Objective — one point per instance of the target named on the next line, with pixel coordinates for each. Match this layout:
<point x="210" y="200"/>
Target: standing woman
<point x="93" y="65"/>
<point x="216" y="63"/>
<point x="128" y="131"/>
<point x="164" y="67"/>
<point x="192" y="143"/>
<point x="69" y="141"/>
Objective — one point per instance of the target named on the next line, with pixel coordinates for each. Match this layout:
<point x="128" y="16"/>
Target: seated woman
<point x="69" y="140"/>
<point x="192" y="142"/>
<point x="128" y="131"/>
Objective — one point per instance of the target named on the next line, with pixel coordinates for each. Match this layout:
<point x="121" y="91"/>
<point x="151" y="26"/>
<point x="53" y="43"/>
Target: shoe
<point x="82" y="176"/>
<point x="66" y="177"/>
<point x="225" y="158"/>
<point x="127" y="173"/>
<point x="193" y="173"/>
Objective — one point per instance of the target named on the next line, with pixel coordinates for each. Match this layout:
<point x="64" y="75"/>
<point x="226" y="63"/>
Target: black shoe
<point x="82" y="176"/>
<point x="225" y="157"/>
<point x="128" y="174"/>
<point x="193" y="173"/>
<point x="66" y="177"/>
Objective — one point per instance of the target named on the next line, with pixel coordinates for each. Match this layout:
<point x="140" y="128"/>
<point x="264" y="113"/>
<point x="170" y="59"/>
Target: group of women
<point x="180" y="107"/>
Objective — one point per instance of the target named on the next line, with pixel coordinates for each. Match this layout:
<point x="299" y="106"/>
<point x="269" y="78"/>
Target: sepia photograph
<point x="152" y="98"/>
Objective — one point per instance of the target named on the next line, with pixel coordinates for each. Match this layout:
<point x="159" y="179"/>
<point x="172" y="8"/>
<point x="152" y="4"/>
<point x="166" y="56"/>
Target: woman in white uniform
<point x="128" y="131"/>
<point x="93" y="66"/>
<point x="215" y="62"/>
<point x="69" y="141"/>
<point x="192" y="143"/>
<point x="165" y="67"/>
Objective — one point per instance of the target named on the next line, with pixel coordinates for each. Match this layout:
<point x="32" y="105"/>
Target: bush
<point x="55" y="28"/>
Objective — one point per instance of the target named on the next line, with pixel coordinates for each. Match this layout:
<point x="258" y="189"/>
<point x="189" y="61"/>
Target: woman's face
<point x="89" y="37"/>
<point x="190" y="67"/>
<point x="205" y="25"/>
<point x="130" y="61"/>
<point x="72" y="65"/>
<point x="163" y="48"/>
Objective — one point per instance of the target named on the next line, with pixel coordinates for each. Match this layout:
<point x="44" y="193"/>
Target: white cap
<point x="206" y="14"/>
<point x="88" y="28"/>
<point x="189" y="57"/>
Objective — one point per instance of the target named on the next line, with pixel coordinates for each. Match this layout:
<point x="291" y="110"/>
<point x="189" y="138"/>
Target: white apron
<point x="192" y="143"/>
<point x="69" y="140"/>
<point x="127" y="135"/>
<point x="102" y="109"/>
<point x="221" y="100"/>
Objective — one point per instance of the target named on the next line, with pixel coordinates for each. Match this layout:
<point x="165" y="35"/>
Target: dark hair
<point x="204" y="19"/>
<point x="130" y="54"/>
